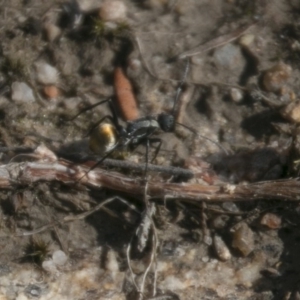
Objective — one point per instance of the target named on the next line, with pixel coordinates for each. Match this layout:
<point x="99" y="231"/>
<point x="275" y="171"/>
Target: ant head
<point x="166" y="122"/>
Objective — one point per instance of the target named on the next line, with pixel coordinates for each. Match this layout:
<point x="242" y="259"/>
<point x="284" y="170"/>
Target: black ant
<point x="114" y="136"/>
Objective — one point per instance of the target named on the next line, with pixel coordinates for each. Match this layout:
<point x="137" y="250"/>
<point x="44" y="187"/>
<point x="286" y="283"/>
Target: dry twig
<point x="22" y="174"/>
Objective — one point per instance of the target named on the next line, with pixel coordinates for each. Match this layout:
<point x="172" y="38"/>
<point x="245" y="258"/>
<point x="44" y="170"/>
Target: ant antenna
<point x="106" y="155"/>
<point x="89" y="108"/>
<point x="179" y="89"/>
<point x="204" y="137"/>
<point x="113" y="118"/>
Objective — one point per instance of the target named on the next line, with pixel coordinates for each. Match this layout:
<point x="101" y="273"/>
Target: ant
<point x="114" y="136"/>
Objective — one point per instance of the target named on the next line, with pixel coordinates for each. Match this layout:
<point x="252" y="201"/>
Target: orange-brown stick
<point x="125" y="97"/>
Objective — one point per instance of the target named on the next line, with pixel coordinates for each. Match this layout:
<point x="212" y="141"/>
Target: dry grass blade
<point x="145" y="226"/>
<point x="217" y="42"/>
<point x="74" y="217"/>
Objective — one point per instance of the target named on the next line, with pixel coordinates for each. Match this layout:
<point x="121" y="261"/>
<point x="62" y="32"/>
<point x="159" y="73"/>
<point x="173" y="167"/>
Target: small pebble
<point x="246" y="39"/>
<point x="270" y="220"/>
<point x="220" y="221"/>
<point x="205" y="259"/>
<point x="113" y="11"/>
<point x="51" y="91"/>
<point x="295" y="46"/>
<point x="49" y="266"/>
<point x="276" y="77"/>
<point x="168" y="248"/>
<point x="271" y="272"/>
<point x="59" y="258"/>
<point x="228" y="56"/>
<point x="243" y="239"/>
<point x="44" y="153"/>
<point x="221" y="249"/>
<point x="21" y="297"/>
<point x="52" y="32"/>
<point x="134" y="65"/>
<point x="207" y="239"/>
<point x="230" y="206"/>
<point x="292" y="112"/>
<point x="111" y="263"/>
<point x="236" y="95"/>
<point x="21" y="92"/>
<point x="87" y="6"/>
<point x="45" y="73"/>
<point x="33" y="290"/>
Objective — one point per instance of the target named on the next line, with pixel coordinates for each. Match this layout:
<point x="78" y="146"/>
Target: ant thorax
<point x="141" y="128"/>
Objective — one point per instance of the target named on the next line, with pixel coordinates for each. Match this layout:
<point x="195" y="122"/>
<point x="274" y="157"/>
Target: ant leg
<point x="147" y="158"/>
<point x="159" y="141"/>
<point x="151" y="141"/>
<point x="101" y="160"/>
<point x="105" y="156"/>
<point x="179" y="89"/>
<point x="114" y="119"/>
<point x="89" y="108"/>
<point x="148" y="142"/>
<point x="114" y="115"/>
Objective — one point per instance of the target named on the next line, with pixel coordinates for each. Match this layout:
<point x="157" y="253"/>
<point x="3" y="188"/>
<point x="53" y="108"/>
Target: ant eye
<point x="166" y="122"/>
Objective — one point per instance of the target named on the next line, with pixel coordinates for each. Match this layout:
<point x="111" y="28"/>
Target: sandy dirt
<point x="241" y="90"/>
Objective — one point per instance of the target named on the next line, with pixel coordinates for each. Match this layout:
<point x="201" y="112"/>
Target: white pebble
<point x="236" y="95"/>
<point x="230" y="206"/>
<point x="59" y="258"/>
<point x="207" y="239"/>
<point x="49" y="266"/>
<point x="228" y="56"/>
<point x="221" y="249"/>
<point x="21" y="297"/>
<point x="247" y="39"/>
<point x="52" y="32"/>
<point x="111" y="262"/>
<point x="205" y="259"/>
<point x="134" y="64"/>
<point x="173" y="283"/>
<point x="113" y="11"/>
<point x="88" y="5"/>
<point x="21" y="92"/>
<point x="45" y="73"/>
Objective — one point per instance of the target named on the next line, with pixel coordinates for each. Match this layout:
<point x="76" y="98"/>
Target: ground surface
<point x="241" y="90"/>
